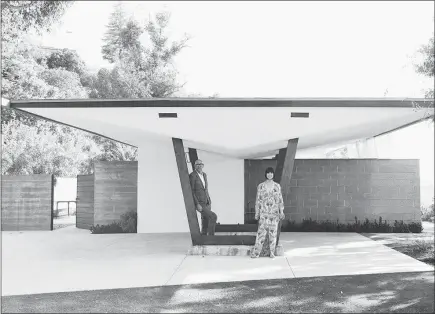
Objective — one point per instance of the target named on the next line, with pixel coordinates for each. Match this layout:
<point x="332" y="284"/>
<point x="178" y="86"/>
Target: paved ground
<point x="380" y="293"/>
<point x="428" y="226"/>
<point x="71" y="259"/>
<point x="64" y="221"/>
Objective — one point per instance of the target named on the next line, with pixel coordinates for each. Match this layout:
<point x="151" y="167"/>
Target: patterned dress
<point x="268" y="205"/>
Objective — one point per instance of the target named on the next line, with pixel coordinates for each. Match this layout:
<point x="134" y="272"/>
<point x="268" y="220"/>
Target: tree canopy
<point x="46" y="148"/>
<point x="19" y="17"/>
<point x="140" y="71"/>
<point x="143" y="66"/>
<point x="427" y="68"/>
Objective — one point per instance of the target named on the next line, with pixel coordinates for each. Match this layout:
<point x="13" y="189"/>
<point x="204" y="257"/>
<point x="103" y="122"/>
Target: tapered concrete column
<point x="284" y="170"/>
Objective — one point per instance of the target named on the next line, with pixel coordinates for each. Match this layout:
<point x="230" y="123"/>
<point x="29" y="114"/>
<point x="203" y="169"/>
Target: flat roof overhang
<point x="238" y="127"/>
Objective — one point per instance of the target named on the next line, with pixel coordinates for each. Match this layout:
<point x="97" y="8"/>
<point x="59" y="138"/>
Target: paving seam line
<point x="290" y="267"/>
<point x="176" y="269"/>
<point x="115" y="241"/>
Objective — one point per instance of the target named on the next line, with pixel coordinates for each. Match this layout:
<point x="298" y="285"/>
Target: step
<point x="236" y="228"/>
<point x="227" y="250"/>
<point x="237" y="233"/>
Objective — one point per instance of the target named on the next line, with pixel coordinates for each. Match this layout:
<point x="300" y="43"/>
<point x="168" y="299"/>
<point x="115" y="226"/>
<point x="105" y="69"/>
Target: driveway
<point x="378" y="293"/>
<point x="71" y="259"/>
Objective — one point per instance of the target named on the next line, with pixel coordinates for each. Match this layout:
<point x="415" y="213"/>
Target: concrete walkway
<point x="71" y="259"/>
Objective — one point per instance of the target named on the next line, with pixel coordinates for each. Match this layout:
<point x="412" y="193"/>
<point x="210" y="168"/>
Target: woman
<point x="269" y="209"/>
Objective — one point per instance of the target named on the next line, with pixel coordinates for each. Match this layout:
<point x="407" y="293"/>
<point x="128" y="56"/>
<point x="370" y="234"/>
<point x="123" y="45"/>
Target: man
<point x="199" y="184"/>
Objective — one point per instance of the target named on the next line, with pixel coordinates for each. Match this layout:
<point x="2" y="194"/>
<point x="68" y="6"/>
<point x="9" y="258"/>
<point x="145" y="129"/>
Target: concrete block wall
<point x="343" y="189"/>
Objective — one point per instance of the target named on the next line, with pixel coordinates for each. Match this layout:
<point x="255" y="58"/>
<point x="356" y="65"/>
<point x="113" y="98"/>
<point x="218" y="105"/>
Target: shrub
<point x="376" y="226"/>
<point x="114" y="227"/>
<point x="421" y="246"/>
<point x="127" y="224"/>
<point x="422" y="250"/>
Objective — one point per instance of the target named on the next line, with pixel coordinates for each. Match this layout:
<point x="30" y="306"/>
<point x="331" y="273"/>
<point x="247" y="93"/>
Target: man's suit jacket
<point x="200" y="192"/>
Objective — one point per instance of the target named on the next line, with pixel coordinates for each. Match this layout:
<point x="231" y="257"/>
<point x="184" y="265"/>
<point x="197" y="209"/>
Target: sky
<point x="281" y="49"/>
<point x="275" y="49"/>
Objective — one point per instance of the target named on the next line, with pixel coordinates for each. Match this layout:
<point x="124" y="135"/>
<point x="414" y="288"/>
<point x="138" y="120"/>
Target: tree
<point x="427" y="68"/>
<point x="23" y="69"/>
<point x="19" y="17"/>
<point x="121" y="35"/>
<point x="66" y="59"/>
<point x="120" y="82"/>
<point x="21" y="74"/>
<point x="157" y="66"/>
<point x="63" y="84"/>
<point x="139" y="71"/>
<point x="24" y="78"/>
<point x="103" y="84"/>
<point x="32" y="145"/>
<point x="69" y="60"/>
<point x="46" y="148"/>
<point x="112" y="150"/>
<point x="89" y="82"/>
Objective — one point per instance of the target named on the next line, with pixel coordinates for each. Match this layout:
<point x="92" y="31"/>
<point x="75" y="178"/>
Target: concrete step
<point x="227" y="250"/>
<point x="236" y="228"/>
<point x="236" y="233"/>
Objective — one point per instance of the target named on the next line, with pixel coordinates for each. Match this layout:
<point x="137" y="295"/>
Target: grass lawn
<point x="417" y="245"/>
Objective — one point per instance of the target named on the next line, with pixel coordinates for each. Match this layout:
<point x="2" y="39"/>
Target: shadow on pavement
<point x="378" y="293"/>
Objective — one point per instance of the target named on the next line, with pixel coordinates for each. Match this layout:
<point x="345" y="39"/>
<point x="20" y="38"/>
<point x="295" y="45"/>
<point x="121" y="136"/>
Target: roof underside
<point x="243" y="128"/>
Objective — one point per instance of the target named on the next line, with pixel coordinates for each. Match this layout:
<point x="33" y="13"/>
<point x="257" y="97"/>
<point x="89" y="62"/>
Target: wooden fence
<point x="85" y="201"/>
<point x="27" y="202"/>
<point x="106" y="194"/>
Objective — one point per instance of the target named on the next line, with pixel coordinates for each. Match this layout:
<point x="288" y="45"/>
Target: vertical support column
<point x="77" y="199"/>
<point x="52" y="202"/>
<point x="187" y="190"/>
<point x="193" y="156"/>
<point x="245" y="200"/>
<point x="284" y="170"/>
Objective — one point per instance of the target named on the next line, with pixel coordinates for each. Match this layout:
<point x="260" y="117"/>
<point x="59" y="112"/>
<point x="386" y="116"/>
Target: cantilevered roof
<point x="243" y="128"/>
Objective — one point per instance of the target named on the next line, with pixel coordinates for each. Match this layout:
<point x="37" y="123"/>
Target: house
<point x="237" y="139"/>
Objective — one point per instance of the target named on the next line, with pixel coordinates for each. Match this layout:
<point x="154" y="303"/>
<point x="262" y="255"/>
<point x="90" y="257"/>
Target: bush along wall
<point x="127" y="224"/>
<point x="375" y="226"/>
